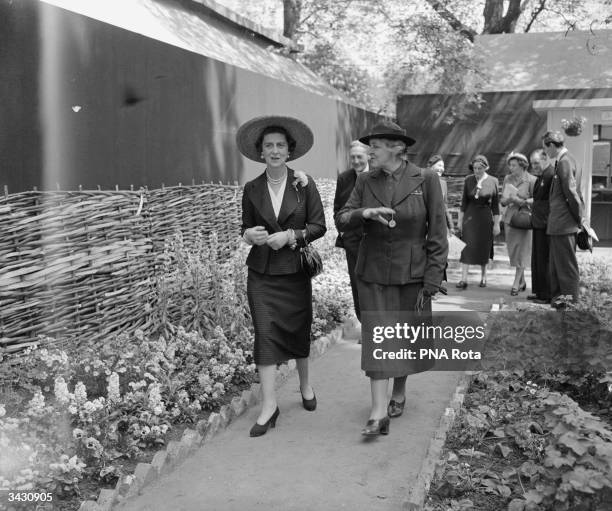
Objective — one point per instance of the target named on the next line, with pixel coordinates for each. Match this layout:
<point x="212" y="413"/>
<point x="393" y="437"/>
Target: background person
<point x="402" y="254"/>
<point x="278" y="216"/>
<point x="564" y="220"/>
<point x="436" y="163"/>
<point x="478" y="219"/>
<point x="540" y="278"/>
<point x="518" y="241"/>
<point x="350" y="239"/>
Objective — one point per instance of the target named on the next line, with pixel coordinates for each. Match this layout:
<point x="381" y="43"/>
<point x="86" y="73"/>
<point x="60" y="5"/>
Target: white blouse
<point x="277" y="199"/>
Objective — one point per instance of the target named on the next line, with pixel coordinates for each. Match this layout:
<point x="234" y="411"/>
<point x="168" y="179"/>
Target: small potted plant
<point x="573" y="127"/>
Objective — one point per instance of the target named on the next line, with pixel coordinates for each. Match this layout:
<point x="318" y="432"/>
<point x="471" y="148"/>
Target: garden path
<point x="319" y="461"/>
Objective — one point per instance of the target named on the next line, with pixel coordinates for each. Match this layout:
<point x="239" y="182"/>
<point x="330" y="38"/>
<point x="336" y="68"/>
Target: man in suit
<point x="540" y="279"/>
<point x="350" y="238"/>
<point x="564" y="220"/>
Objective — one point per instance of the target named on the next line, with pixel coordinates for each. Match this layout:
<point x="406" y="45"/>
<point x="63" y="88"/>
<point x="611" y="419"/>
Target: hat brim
<point x="249" y="132"/>
<point x="388" y="136"/>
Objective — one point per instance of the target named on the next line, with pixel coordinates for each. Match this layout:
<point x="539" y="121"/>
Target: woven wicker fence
<point x="80" y="265"/>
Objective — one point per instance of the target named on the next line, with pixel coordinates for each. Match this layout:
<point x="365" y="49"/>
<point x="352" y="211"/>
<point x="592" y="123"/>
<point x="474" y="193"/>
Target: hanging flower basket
<point x="573" y="127"/>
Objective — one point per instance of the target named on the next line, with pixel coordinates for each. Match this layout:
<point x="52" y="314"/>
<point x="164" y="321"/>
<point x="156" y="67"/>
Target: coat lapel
<point x="411" y="180"/>
<point x="376" y="184"/>
<point x="290" y="198"/>
<point x="263" y="203"/>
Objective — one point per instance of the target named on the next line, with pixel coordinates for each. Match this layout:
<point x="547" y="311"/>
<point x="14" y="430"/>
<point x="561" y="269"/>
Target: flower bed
<point x="72" y="422"/>
<point x="519" y="443"/>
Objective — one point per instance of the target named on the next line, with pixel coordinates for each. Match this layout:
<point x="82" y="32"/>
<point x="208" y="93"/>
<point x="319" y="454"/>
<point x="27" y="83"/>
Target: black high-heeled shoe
<point x="461" y="285"/>
<point x="523" y="287"/>
<point x="483" y="283"/>
<point x="375" y="427"/>
<point x="262" y="429"/>
<point x="395" y="408"/>
<point x="309" y="404"/>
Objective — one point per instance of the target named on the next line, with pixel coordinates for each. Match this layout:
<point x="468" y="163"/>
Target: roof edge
<point x="235" y="18"/>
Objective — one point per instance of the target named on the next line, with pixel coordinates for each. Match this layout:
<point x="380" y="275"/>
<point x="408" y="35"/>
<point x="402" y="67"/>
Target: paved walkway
<point x="319" y="461"/>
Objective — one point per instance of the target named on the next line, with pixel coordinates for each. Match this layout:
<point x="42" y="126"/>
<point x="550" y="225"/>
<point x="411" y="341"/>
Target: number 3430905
<point x="30" y="496"/>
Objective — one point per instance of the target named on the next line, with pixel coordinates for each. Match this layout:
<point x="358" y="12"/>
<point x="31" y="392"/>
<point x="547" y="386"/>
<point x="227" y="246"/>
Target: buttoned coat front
<point x="301" y="209"/>
<point x="415" y="251"/>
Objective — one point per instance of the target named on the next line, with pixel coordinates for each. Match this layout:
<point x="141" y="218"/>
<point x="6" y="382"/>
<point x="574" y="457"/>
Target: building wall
<point x="89" y="104"/>
<point x="505" y="122"/>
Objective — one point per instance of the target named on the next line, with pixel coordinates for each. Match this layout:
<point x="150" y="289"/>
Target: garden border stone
<point x="164" y="461"/>
<point x="433" y="464"/>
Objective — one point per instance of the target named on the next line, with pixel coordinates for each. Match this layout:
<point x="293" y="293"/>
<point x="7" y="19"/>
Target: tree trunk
<point x="291" y="17"/>
<point x="495" y="20"/>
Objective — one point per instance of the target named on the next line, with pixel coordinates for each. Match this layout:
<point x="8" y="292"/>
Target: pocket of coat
<point x="417" y="261"/>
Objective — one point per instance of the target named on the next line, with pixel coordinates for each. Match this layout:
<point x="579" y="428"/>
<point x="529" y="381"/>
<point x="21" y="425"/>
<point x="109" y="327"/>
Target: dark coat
<point x="541" y="195"/>
<point x="415" y="251"/>
<point x="565" y="204"/>
<point x="344" y="186"/>
<point x="301" y="208"/>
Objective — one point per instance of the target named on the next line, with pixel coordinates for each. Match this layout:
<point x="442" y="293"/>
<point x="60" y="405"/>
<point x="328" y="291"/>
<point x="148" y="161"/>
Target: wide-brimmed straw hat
<point x="250" y="131"/>
<point x="389" y="131"/>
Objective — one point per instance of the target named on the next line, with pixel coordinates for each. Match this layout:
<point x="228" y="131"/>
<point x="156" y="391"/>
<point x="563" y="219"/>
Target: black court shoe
<point x="395" y="408"/>
<point x="461" y="285"/>
<point x="309" y="404"/>
<point x="375" y="427"/>
<point x="262" y="429"/>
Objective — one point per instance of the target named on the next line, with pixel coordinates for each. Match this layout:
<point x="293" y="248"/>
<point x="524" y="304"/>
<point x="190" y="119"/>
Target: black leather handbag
<point x="521" y="218"/>
<point x="312" y="264"/>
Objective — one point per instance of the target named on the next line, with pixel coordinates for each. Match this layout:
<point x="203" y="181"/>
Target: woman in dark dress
<point x="479" y="219"/>
<point x="279" y="215"/>
<point x="401" y="259"/>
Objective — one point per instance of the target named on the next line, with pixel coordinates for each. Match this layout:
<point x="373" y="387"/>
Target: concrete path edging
<point x="433" y="464"/>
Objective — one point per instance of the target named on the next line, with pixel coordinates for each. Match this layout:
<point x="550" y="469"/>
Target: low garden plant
<point x="535" y="432"/>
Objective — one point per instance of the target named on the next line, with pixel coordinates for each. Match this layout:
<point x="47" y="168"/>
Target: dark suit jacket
<point x="416" y="249"/>
<point x="344" y="186"/>
<point x="301" y="208"/>
<point x="565" y="203"/>
<point x="541" y="195"/>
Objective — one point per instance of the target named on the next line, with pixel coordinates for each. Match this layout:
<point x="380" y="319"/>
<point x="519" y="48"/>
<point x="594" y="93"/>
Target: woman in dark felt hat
<point x="478" y="219"/>
<point x="279" y="215"/>
<point x="401" y="258"/>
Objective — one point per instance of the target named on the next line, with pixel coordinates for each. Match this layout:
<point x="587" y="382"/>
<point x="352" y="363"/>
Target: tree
<point x="363" y="47"/>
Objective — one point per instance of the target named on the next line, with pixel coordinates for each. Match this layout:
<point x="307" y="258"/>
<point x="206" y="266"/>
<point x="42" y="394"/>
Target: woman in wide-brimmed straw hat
<point x="478" y="219"/>
<point x="280" y="214"/>
<point x="401" y="259"/>
<point x="518" y="241"/>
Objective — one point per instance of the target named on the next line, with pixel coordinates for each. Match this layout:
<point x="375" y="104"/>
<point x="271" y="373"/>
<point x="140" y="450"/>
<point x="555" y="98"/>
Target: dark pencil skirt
<point x="281" y="310"/>
<point x="386" y="304"/>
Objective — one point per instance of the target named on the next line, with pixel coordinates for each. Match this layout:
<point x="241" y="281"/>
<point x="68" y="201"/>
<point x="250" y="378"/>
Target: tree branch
<point x="536" y="11"/>
<point x="452" y="20"/>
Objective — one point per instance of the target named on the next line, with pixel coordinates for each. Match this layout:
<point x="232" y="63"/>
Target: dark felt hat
<point x="553" y="136"/>
<point x="249" y="132"/>
<point x="389" y="131"/>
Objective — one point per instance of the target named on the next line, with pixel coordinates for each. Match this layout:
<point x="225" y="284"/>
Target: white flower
<point x="72" y="409"/>
<point x="80" y="392"/>
<point x="114" y="394"/>
<point x="155" y="399"/>
<point x="77" y="433"/>
<point x="60" y="390"/>
<point x="2" y="411"/>
<point x="36" y="404"/>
